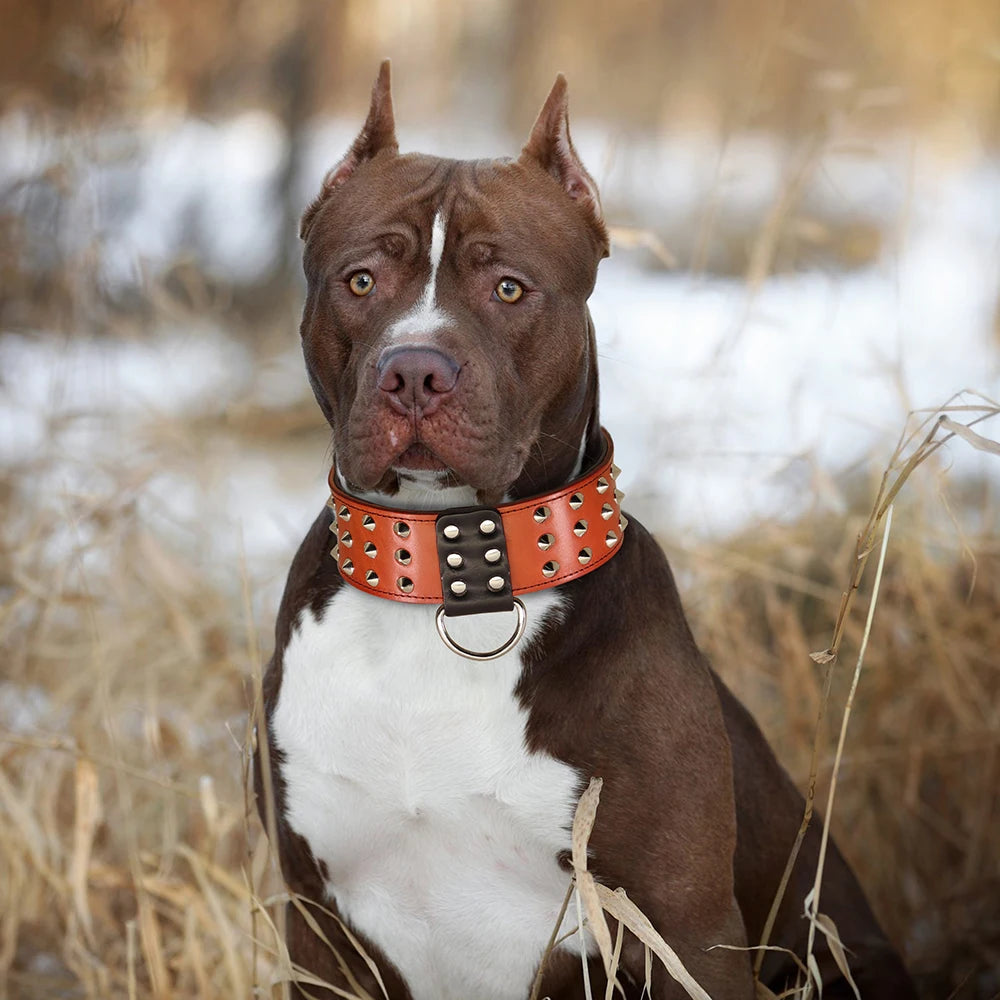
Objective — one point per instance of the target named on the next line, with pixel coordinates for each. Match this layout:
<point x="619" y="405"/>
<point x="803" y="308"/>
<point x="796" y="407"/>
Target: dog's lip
<point x="418" y="457"/>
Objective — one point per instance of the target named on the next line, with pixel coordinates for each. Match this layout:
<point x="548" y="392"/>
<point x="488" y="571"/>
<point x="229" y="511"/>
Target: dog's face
<point x="446" y="331"/>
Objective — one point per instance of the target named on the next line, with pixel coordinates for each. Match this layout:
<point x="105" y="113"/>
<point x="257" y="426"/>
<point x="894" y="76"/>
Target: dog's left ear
<point x="377" y="135"/>
<point x="552" y="149"/>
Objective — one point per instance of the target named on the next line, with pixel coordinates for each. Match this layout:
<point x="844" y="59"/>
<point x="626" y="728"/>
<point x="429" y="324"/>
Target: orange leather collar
<point x="550" y="539"/>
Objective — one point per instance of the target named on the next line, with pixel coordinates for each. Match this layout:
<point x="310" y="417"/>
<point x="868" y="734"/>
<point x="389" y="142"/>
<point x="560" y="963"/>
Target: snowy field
<point x="727" y="403"/>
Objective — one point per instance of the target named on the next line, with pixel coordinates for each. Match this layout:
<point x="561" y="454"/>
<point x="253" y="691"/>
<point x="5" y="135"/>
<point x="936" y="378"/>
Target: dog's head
<point x="446" y="331"/>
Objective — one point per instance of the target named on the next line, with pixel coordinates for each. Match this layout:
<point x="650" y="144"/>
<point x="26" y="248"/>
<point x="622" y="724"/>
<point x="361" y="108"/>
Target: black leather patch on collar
<point x="472" y="556"/>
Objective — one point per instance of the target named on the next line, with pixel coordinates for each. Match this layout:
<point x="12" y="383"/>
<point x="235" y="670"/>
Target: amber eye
<point x="362" y="283"/>
<point x="508" y="290"/>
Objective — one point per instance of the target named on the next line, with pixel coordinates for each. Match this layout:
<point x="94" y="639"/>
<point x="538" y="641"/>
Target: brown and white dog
<point x="425" y="798"/>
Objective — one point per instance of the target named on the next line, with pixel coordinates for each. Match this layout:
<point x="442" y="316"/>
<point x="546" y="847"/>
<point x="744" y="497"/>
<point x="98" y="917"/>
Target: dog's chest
<point x="406" y="770"/>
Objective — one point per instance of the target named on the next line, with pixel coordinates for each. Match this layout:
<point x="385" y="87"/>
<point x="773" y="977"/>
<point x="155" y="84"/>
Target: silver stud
<point x="454" y="560"/>
<point x="487" y="526"/>
<point x="345" y="539"/>
<point x="602" y="485"/>
<point x="495" y="583"/>
<point x="550" y="568"/>
<point x="541" y="514"/>
<point x="584" y="556"/>
<point x="371" y="578"/>
<point x="545" y="541"/>
<point x="619" y="496"/>
<point x="622" y="523"/>
<point x="370" y="550"/>
<point x="405" y="584"/>
<point x="333" y="526"/>
<point x="344" y="514"/>
<point x="615" y="471"/>
<point x="368" y="522"/>
<point x="347" y="567"/>
<point x="333" y="552"/>
<point x="458" y="588"/>
<point x="492" y="555"/>
<point x="611" y="538"/>
<point x="580" y="528"/>
<point x="607" y="511"/>
<point x="576" y="501"/>
<point x="402" y="529"/>
<point x="451" y="531"/>
<point x="403" y="557"/>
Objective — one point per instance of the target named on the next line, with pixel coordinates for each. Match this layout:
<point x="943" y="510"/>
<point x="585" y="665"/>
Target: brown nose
<point x="416" y="378"/>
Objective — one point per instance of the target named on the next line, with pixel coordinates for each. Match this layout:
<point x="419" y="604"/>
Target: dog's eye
<point x="508" y="290"/>
<point x="362" y="283"/>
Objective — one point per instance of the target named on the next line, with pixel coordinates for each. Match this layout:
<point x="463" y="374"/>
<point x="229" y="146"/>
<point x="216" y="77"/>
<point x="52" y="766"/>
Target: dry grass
<point x="131" y="860"/>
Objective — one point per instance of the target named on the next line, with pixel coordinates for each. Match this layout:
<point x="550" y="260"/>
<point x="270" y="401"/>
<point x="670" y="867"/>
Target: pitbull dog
<point x="422" y="799"/>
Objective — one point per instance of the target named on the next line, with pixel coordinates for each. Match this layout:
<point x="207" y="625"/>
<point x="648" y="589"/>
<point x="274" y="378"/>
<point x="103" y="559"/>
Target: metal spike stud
<point x="580" y="529"/>
<point x="405" y="584"/>
<point x="550" y="569"/>
<point x="607" y="511"/>
<point x="576" y="501"/>
<point x="371" y="578"/>
<point x="370" y="550"/>
<point x="368" y="522"/>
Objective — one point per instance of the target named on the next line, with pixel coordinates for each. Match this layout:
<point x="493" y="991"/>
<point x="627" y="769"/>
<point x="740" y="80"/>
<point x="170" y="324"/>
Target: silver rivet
<point x="580" y="528"/>
<point x="545" y="541"/>
<point x="576" y="501"/>
<point x="602" y="485"/>
<point x="405" y="584"/>
<point x="458" y="588"/>
<point x="495" y="583"/>
<point x="607" y="511"/>
<point x="347" y="566"/>
<point x="368" y="522"/>
<point x="615" y="471"/>
<point x="454" y="560"/>
<point x="541" y="513"/>
<point x="493" y="555"/>
<point x="371" y="578"/>
<point x="611" y="538"/>
<point x="345" y="539"/>
<point x="550" y="569"/>
<point x="370" y="550"/>
<point x="403" y="557"/>
<point x="451" y="531"/>
<point x="402" y="529"/>
<point x="344" y="514"/>
<point x="584" y="556"/>
<point x="487" y="526"/>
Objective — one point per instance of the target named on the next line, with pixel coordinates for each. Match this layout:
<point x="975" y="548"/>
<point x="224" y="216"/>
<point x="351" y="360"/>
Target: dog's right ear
<point x="377" y="134"/>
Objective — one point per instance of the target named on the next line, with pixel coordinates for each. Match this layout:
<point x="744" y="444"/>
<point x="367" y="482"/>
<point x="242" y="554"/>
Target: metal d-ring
<point x="522" y="619"/>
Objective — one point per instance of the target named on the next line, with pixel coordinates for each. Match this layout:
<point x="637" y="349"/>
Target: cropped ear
<point x="377" y="134"/>
<point x="552" y="149"/>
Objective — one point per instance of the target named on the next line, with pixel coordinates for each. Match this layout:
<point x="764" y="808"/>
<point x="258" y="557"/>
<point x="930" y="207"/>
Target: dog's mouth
<point x="419" y="458"/>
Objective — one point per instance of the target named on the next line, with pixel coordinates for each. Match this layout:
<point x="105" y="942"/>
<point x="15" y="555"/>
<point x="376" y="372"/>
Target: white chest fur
<point x="406" y="770"/>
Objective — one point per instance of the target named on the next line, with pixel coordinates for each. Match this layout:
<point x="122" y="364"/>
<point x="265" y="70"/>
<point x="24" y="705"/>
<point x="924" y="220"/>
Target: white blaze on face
<point x="425" y="317"/>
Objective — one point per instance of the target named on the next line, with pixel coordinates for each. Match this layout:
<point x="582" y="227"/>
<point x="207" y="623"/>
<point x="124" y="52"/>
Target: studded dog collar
<point x="472" y="560"/>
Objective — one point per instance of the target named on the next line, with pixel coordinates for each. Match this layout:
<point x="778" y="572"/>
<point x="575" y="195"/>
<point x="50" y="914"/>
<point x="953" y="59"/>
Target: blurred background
<point x="805" y="208"/>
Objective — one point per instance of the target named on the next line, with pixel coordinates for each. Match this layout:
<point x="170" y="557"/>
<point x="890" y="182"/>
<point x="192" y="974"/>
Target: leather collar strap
<point x="477" y="559"/>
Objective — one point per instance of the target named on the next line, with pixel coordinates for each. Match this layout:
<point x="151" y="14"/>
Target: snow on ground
<point x="727" y="405"/>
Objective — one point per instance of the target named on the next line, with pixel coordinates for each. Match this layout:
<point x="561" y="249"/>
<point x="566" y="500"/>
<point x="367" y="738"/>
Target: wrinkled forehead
<point x="498" y="207"/>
